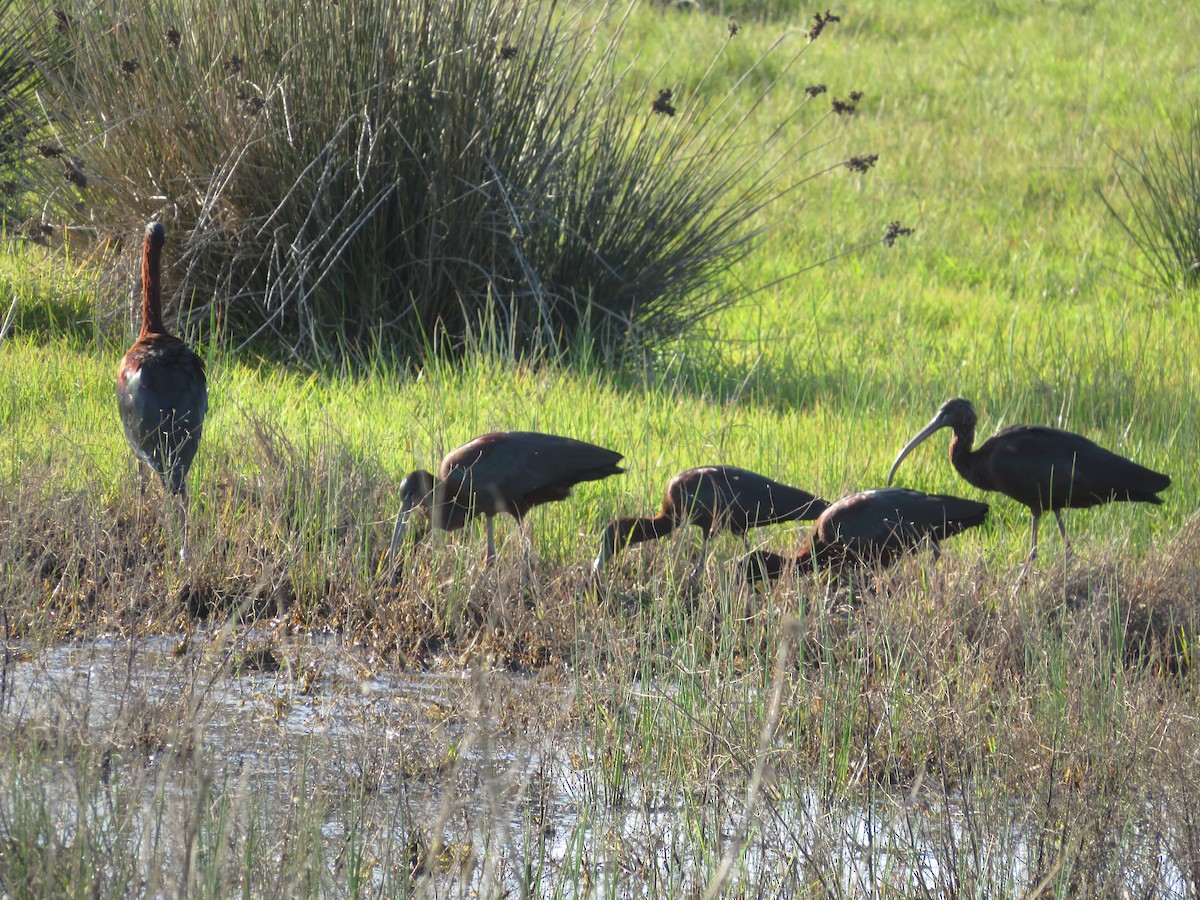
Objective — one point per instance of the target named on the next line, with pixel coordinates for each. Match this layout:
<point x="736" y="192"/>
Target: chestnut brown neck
<point x="634" y="531"/>
<point x="152" y="320"/>
<point x="960" y="448"/>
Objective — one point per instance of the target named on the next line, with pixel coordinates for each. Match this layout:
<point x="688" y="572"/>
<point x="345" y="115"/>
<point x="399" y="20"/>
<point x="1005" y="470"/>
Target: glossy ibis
<point x="1044" y="468"/>
<point x="872" y="528"/>
<point x="162" y="393"/>
<point x="712" y="498"/>
<point x="504" y="472"/>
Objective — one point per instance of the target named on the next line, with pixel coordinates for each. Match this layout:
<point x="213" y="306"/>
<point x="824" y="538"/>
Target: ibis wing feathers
<point x="882" y="523"/>
<point x="763" y="501"/>
<point x="162" y="395"/>
<point x="1047" y="468"/>
<point x="517" y="470"/>
<point x="737" y="499"/>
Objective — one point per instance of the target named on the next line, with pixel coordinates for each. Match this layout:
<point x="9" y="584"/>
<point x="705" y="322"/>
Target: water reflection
<point x="474" y="783"/>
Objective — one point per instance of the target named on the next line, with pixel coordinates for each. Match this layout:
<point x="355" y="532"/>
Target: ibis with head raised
<point x="162" y="392"/>
<point x="1046" y="469"/>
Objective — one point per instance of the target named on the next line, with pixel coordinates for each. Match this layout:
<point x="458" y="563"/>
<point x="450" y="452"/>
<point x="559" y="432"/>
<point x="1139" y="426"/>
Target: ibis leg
<point x="182" y="507"/>
<point x="526" y="543"/>
<point x="1028" y="564"/>
<point x="699" y="570"/>
<point x="491" y="542"/>
<point x="1062" y="529"/>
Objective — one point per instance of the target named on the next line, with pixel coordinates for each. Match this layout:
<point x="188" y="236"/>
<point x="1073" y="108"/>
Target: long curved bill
<point x="936" y="424"/>
<point x="397" y="534"/>
<point x="601" y="558"/>
<point x="617" y="536"/>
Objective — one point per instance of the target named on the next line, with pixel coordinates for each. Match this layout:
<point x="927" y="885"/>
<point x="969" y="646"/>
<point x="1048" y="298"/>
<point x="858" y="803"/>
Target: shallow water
<point x="391" y="761"/>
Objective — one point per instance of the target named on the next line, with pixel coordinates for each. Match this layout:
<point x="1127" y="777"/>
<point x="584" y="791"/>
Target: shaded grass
<point x="18" y="86"/>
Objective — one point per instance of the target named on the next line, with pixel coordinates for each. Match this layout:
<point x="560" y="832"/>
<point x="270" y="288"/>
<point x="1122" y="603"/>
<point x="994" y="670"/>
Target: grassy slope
<point x="992" y="129"/>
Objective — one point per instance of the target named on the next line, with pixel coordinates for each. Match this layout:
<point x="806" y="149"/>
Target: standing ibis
<point x="504" y="472"/>
<point x="712" y="498"/>
<point x="872" y="528"/>
<point x="1041" y="467"/>
<point x="162" y="393"/>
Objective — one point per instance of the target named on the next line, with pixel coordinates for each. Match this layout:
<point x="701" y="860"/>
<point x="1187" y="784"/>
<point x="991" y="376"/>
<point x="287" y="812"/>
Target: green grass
<point x="1012" y="292"/>
<point x="974" y="711"/>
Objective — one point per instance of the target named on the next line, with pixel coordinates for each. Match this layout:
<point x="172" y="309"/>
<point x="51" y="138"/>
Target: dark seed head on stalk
<point x="732" y="25"/>
<point x="128" y="67"/>
<point x="74" y="174"/>
<point x="174" y="38"/>
<point x="842" y="107"/>
<point x="662" y="105"/>
<point x="820" y="20"/>
<point x="50" y="151"/>
<point x="508" y="51"/>
<point x="233" y="65"/>
<point x="895" y="230"/>
<point x="252" y="104"/>
<point x="861" y="163"/>
<point x="815" y="90"/>
<point x="62" y="22"/>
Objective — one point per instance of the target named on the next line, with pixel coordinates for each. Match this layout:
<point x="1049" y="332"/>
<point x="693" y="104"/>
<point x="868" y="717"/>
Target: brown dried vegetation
<point x="1055" y="707"/>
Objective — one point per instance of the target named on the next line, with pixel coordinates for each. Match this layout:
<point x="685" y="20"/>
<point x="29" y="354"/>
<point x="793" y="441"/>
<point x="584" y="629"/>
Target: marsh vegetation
<point x="274" y="717"/>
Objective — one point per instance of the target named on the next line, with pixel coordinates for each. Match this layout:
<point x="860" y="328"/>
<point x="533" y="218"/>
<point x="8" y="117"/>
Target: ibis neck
<point x="808" y="555"/>
<point x="152" y="320"/>
<point x="960" y="449"/>
<point x="651" y="528"/>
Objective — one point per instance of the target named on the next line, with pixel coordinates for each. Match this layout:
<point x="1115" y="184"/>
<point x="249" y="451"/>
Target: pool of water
<point x="494" y="766"/>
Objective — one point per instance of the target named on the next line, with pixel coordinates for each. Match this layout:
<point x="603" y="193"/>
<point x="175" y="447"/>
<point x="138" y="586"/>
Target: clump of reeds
<point x="17" y="109"/>
<point x="351" y="176"/>
<point x="1159" y="187"/>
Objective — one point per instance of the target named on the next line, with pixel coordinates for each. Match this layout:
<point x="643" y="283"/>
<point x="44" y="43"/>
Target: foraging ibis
<point x="504" y="472"/>
<point x="1044" y="468"/>
<point x="162" y="393"/>
<point x="712" y="498"/>
<point x="872" y="528"/>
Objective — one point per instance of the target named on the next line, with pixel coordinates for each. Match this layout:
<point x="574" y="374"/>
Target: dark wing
<point x="857" y="517"/>
<point x="940" y="515"/>
<point x="756" y="500"/>
<point x="1047" y="468"/>
<point x="162" y="396"/>
<point x="893" y="519"/>
<point x="738" y="499"/>
<point x="693" y="496"/>
<point x="516" y="470"/>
